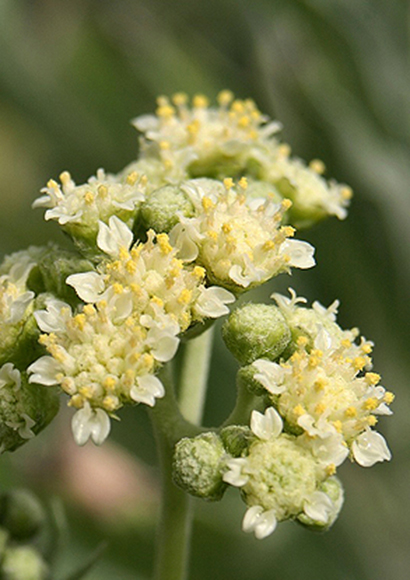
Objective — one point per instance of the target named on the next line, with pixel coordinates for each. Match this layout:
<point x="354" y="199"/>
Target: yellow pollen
<point x="143" y="180"/>
<point x="180" y="99"/>
<point x="317" y="166"/>
<point x="129" y="322"/>
<point x="346" y="343"/>
<point x="226" y="228"/>
<point x="346" y="193"/>
<point x="338" y="426"/>
<point x="372" y="420"/>
<point x="351" y="412"/>
<point x="65" y="177"/>
<point x="63" y="381"/>
<point x="284" y="150"/>
<point x="102" y="304"/>
<point x="51" y="184"/>
<point x="286" y="204"/>
<point x="212" y="234"/>
<point x="243" y="183"/>
<point x="207" y="203"/>
<point x="371" y="404"/>
<point x="118" y="288"/>
<point x="135" y="288"/>
<point x="199" y="272"/>
<point x="302" y="341"/>
<point x="131" y="267"/>
<point x="193" y="127"/>
<point x="299" y="410"/>
<point x="147" y="361"/>
<point x="165" y="111"/>
<point x="129" y="377"/>
<point x="253" y="134"/>
<point x="268" y="245"/>
<point x="76" y="401"/>
<point x="132" y="178"/>
<point x="200" y="101"/>
<point x="288" y="231"/>
<point x="89" y="310"/>
<point x="228" y="183"/>
<point x="244" y="122"/>
<point x="156" y="300"/>
<point x="388" y="397"/>
<point x="79" y="321"/>
<point x="163" y="243"/>
<point x="164" y="145"/>
<point x="86" y="392"/>
<point x="102" y="191"/>
<point x="135" y="252"/>
<point x="320" y="408"/>
<point x="109" y="383"/>
<point x="359" y="362"/>
<point x="238" y="107"/>
<point x="185" y="296"/>
<point x="225" y="98"/>
<point x="367" y="348"/>
<point x="330" y="469"/>
<point x="320" y="383"/>
<point x="110" y="404"/>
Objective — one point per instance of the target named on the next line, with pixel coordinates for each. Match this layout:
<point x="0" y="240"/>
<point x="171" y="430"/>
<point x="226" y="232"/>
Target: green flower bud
<point x="256" y="331"/>
<point x="334" y="489"/>
<point x="25" y="409"/>
<point x="197" y="466"/>
<point x="23" y="563"/>
<point x="236" y="439"/>
<point x="52" y="271"/>
<point x="21" y="514"/>
<point x="159" y="211"/>
<point x="245" y="378"/>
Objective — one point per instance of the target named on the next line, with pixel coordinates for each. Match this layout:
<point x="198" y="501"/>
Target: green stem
<point x="245" y="404"/>
<point x="194" y="376"/>
<point x="172" y="422"/>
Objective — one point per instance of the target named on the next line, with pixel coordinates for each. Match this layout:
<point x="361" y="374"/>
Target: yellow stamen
<point x="330" y="469"/>
<point x="317" y="166"/>
<point x="228" y="183"/>
<point x="388" y="397"/>
<point x="163" y="243"/>
<point x="185" y="296"/>
<point x="225" y="98"/>
<point x="200" y="102"/>
<point x="132" y="178"/>
<point x="180" y="99"/>
<point x="372" y="378"/>
<point x="351" y="412"/>
<point x="299" y="410"/>
<point x="207" y="203"/>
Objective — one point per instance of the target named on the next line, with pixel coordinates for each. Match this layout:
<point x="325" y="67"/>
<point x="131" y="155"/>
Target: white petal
<point x="148" y="389"/>
<point x="319" y="507"/>
<point x="235" y="475"/>
<point x="258" y="521"/>
<point x="9" y="375"/>
<point x="369" y="448"/>
<point x="268" y="425"/>
<point x="92" y="423"/>
<point x="300" y="253"/>
<point x="212" y="302"/>
<point x="88" y="285"/>
<point x="270" y="376"/>
<point x="19" y="307"/>
<point x="166" y="347"/>
<point x="44" y="371"/>
<point x="113" y="237"/>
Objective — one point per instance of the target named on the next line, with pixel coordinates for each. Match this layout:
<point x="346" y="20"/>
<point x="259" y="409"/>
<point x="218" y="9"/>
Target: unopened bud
<point x="256" y="331"/>
<point x="333" y="488"/>
<point x="160" y="211"/>
<point x="197" y="466"/>
<point x="21" y="514"/>
<point x="236" y="438"/>
<point x="23" y="563"/>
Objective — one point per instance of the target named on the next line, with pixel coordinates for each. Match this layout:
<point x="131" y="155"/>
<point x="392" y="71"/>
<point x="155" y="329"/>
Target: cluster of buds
<point x="320" y="401"/>
<point x="208" y="211"/>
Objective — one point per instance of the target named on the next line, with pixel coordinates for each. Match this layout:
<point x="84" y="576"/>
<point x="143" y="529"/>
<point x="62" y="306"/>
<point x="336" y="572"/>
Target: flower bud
<point x="25" y="409"/>
<point x="236" y="438"/>
<point x="21" y="514"/>
<point x="23" y="563"/>
<point x="256" y="331"/>
<point x="160" y="210"/>
<point x="197" y="466"/>
<point x="245" y="377"/>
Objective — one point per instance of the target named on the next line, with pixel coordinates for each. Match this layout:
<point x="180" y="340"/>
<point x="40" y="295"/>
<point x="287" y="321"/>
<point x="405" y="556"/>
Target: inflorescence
<point x="208" y="211"/>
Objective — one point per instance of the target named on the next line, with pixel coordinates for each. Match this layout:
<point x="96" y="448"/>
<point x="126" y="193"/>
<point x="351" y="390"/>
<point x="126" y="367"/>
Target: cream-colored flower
<point x="79" y="208"/>
<point x="137" y="303"/>
<point x="240" y="244"/>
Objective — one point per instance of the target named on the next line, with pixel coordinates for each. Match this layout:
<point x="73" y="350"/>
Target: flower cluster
<point x="241" y="243"/>
<point x="136" y="304"/>
<point x="236" y="139"/>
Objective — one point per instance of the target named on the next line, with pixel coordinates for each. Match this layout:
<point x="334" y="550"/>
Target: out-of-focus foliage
<point x="335" y="72"/>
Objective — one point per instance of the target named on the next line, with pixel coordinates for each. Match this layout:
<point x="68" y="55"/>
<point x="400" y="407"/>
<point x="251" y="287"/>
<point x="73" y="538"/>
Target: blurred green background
<point x="336" y="73"/>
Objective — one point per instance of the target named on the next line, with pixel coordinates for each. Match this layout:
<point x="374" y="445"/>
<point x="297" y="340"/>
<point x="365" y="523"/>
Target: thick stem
<point x="172" y="422"/>
<point x="194" y="376"/>
<point x="175" y="524"/>
<point x="245" y="403"/>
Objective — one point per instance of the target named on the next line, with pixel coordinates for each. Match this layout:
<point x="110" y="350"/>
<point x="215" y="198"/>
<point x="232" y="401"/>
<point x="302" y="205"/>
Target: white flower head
<point x="79" y="208"/>
<point x="240" y="244"/>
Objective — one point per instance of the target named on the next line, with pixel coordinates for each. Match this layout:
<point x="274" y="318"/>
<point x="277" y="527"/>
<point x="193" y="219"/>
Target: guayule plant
<point x="208" y="211"/>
